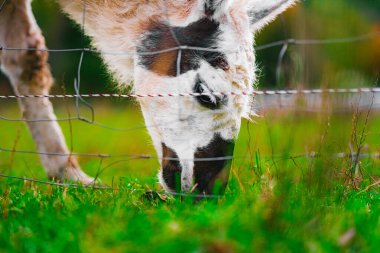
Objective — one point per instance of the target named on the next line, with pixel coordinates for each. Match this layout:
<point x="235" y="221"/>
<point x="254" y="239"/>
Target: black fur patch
<point x="212" y="5"/>
<point x="212" y="176"/>
<point x="171" y="169"/>
<point x="203" y="33"/>
<point x="209" y="7"/>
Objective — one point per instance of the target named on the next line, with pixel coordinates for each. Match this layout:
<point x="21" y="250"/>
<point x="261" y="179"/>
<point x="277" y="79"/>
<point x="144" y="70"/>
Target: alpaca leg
<point x="30" y="74"/>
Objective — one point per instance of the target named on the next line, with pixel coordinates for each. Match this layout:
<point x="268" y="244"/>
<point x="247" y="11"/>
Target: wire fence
<point x="80" y="99"/>
<point x="195" y="94"/>
<point x="96" y="186"/>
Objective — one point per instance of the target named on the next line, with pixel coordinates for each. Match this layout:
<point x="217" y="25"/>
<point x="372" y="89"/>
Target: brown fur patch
<point x="36" y="70"/>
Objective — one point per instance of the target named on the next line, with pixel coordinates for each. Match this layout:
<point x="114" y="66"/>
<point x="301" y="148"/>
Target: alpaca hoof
<point x="82" y="178"/>
<point x="74" y="174"/>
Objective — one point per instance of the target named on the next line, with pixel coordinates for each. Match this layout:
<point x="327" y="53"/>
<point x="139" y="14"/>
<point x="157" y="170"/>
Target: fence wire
<point x="195" y="94"/>
<point x="96" y="186"/>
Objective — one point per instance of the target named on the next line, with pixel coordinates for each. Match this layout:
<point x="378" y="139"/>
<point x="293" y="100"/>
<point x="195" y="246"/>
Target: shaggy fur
<point x="124" y="31"/>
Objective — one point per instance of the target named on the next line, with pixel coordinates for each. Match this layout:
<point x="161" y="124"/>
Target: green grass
<point x="274" y="202"/>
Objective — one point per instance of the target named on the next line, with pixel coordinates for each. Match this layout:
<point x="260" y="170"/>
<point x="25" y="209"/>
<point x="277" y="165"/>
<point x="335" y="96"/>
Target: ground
<point x="277" y="200"/>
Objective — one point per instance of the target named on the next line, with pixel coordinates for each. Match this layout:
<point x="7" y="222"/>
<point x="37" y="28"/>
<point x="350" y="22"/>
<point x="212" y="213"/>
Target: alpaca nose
<point x="210" y="170"/>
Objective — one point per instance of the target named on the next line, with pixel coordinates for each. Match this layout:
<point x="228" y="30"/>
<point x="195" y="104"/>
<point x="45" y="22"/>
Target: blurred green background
<point x="331" y="65"/>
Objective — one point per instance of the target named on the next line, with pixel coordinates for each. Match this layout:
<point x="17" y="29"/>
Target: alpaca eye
<point x="220" y="62"/>
<point x="207" y="101"/>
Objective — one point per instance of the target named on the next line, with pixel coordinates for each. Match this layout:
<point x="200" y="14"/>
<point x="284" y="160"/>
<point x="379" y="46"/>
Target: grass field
<point x="276" y="201"/>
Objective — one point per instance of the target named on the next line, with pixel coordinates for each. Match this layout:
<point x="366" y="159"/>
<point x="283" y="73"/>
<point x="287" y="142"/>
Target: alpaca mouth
<point x="211" y="168"/>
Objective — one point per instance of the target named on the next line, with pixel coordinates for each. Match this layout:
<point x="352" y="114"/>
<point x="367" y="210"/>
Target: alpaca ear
<point x="262" y="12"/>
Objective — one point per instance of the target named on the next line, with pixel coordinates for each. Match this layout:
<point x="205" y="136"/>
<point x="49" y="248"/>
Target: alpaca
<point x="190" y="131"/>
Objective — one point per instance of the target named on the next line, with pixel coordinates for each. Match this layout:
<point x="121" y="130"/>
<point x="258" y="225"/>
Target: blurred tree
<point x="62" y="33"/>
<point x="335" y="65"/>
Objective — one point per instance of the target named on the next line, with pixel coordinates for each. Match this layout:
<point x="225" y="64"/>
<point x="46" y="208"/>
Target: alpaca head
<point x="195" y="135"/>
<point x="184" y="46"/>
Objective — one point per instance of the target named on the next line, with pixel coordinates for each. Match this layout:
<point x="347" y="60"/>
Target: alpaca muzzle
<point x="211" y="167"/>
